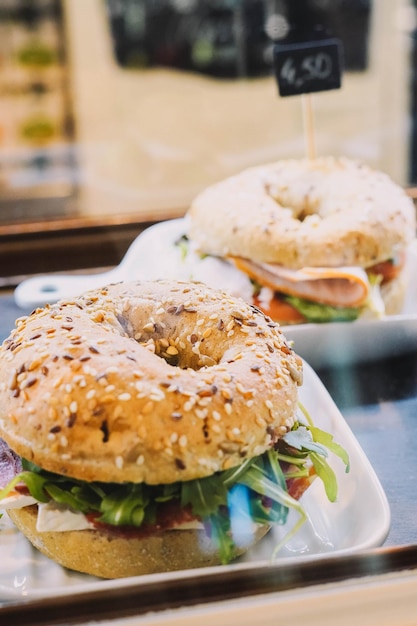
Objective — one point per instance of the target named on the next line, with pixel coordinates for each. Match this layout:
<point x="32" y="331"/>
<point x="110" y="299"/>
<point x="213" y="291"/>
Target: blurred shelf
<point x="69" y="243"/>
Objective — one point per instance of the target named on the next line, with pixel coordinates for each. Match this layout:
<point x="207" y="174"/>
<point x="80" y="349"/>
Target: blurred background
<point x="114" y="114"/>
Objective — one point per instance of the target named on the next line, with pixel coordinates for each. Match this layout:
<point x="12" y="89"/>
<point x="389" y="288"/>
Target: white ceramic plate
<point x="359" y="519"/>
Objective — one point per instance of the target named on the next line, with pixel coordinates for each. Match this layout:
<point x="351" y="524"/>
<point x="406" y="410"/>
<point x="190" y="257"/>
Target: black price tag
<point x="307" y="67"/>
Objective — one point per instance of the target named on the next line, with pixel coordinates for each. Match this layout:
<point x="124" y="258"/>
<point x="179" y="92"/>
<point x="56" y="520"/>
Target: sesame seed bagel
<point x="146" y="382"/>
<point x="326" y="212"/>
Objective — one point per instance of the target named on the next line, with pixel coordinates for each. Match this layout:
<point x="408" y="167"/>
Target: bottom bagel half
<point x="108" y="554"/>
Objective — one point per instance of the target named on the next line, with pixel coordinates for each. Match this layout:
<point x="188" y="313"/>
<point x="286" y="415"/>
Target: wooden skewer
<point x="308" y="119"/>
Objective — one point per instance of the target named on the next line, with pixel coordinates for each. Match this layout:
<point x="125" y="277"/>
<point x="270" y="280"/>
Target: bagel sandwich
<point x="320" y="240"/>
<point x="136" y="438"/>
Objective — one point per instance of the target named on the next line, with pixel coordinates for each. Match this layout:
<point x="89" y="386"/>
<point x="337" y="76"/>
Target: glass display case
<point x="114" y="116"/>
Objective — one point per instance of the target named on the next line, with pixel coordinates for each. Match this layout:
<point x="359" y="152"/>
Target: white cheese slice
<point x="54" y="517"/>
<point x="17" y="501"/>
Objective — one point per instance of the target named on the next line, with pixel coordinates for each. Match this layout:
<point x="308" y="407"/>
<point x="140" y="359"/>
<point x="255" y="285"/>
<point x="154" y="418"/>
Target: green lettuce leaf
<point x="317" y="313"/>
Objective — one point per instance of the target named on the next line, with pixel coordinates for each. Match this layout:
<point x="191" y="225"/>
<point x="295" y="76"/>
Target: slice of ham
<point x="339" y="286"/>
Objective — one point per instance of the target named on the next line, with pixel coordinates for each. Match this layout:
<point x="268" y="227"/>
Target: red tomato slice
<point x="388" y="269"/>
<point x="280" y="311"/>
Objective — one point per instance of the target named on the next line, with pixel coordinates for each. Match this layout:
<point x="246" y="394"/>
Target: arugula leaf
<point x="256" y="480"/>
<point x="326" y="439"/>
<point x="327" y="475"/>
<point x="302" y="439"/>
<point x="68" y="497"/>
<point x="218" y="529"/>
<point x="119" y="508"/>
<point x="34" y="483"/>
<point x="206" y="495"/>
<point x="321" y="313"/>
<point x="323" y="437"/>
<point x="183" y="244"/>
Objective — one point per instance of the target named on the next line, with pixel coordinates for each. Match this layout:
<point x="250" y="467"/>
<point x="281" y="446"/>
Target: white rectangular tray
<point x="358" y="520"/>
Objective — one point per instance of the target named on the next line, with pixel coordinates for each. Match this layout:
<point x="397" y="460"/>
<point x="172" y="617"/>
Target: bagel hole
<point x="302" y="209"/>
<point x="178" y="350"/>
<point x="171" y="360"/>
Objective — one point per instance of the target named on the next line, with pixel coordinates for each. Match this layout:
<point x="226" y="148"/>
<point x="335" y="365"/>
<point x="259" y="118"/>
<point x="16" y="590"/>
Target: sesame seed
<point x="124" y="397"/>
<point x="182" y="441"/>
<point x="119" y="462"/>
<point x="108" y="398"/>
<point x="52" y="412"/>
<point x="156" y="396"/>
<point x="34" y="365"/>
<point x="147" y="408"/>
